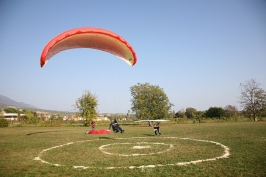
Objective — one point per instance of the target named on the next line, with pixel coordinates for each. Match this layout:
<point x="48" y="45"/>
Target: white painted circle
<point x="226" y="154"/>
<point x="143" y="146"/>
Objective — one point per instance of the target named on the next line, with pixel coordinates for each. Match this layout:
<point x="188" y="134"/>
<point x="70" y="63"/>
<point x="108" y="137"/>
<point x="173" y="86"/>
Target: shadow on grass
<point x="106" y="138"/>
<point x="148" y="135"/>
<point x="41" y="132"/>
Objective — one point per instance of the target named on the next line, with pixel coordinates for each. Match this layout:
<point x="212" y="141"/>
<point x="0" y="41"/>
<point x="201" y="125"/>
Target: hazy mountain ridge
<point x="9" y="102"/>
<point x="5" y="101"/>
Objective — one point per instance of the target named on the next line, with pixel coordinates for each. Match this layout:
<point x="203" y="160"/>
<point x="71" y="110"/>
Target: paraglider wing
<point x="103" y="131"/>
<point x="94" y="38"/>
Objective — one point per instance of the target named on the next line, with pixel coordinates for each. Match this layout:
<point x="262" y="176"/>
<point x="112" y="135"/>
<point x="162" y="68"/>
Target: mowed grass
<point x="68" y="151"/>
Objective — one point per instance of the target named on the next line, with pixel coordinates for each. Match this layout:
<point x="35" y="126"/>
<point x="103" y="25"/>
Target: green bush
<point x="3" y="123"/>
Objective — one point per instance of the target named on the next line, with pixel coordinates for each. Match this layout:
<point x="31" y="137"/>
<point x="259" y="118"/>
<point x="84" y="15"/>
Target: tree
<point x="252" y="99"/>
<point x="11" y="110"/>
<point x="29" y="117"/>
<point x="1" y="114"/>
<point x="86" y="106"/>
<point x="199" y="115"/>
<point x="230" y="111"/>
<point x="190" y="112"/>
<point x="149" y="101"/>
<point x="215" y="112"/>
<point x="180" y="114"/>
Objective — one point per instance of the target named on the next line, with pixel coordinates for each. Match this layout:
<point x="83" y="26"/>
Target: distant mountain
<point x="9" y="102"/>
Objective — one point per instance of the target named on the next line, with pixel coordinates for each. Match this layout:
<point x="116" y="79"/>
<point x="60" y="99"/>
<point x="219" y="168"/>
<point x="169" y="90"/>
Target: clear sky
<point x="198" y="52"/>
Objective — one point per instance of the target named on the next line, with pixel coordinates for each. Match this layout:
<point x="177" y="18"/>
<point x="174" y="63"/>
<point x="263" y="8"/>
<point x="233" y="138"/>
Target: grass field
<point x="180" y="151"/>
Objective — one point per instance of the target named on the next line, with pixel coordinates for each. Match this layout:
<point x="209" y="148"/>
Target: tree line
<point x="213" y="112"/>
<point x="151" y="102"/>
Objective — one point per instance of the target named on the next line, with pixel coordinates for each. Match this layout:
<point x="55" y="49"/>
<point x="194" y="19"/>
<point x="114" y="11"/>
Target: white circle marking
<point x="226" y="154"/>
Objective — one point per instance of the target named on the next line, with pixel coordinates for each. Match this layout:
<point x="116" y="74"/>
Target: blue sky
<point x="198" y="52"/>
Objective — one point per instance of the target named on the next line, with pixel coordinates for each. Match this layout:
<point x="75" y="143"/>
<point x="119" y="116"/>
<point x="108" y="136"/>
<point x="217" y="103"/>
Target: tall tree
<point x="86" y="106"/>
<point x="190" y="112"/>
<point x="252" y="99"/>
<point x="149" y="101"/>
<point x="217" y="112"/>
<point x="230" y="111"/>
